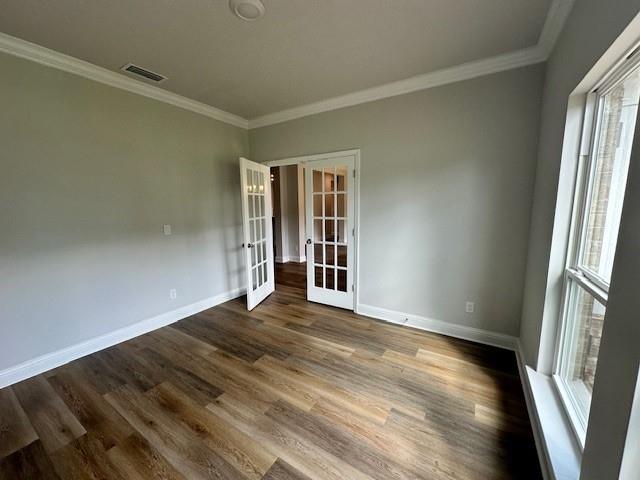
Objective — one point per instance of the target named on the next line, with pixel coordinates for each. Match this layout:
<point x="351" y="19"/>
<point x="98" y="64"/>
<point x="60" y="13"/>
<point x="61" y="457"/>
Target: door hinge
<point x="353" y="232"/>
<point x="353" y="288"/>
<point x="354" y="173"/>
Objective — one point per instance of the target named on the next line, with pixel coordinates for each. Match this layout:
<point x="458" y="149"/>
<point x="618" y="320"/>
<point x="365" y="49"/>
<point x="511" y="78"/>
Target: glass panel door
<point x="330" y="228"/>
<point x="256" y="222"/>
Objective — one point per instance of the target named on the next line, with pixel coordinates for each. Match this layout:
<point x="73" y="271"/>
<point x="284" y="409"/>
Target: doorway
<point x="289" y="228"/>
<point x="287" y="186"/>
<point x="315" y="226"/>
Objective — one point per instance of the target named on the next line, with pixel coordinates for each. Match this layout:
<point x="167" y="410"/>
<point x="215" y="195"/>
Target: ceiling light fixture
<point x="248" y="10"/>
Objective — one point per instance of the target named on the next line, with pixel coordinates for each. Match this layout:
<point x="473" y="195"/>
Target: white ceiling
<point x="301" y="51"/>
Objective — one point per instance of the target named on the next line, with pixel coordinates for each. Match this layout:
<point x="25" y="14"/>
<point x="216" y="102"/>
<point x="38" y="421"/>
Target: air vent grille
<point x="143" y="72"/>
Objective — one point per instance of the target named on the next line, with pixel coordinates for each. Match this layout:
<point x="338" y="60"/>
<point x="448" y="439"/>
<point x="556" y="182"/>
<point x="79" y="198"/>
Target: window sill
<point x="560" y="447"/>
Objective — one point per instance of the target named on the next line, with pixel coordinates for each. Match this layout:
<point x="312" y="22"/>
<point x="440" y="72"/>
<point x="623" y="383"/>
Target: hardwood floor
<point x="292" y="390"/>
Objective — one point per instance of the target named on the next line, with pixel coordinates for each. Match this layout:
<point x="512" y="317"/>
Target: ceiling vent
<point x="143" y="72"/>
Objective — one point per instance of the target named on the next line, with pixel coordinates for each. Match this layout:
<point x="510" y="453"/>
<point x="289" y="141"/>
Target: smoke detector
<point x="248" y="10"/>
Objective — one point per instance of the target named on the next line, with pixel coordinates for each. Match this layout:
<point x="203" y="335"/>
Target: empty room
<point x="320" y="239"/>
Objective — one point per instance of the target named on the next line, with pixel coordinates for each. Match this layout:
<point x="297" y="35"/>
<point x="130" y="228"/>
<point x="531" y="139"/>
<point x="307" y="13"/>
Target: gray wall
<point x="291" y="215"/>
<point x="446" y="190"/>
<point x="277" y="211"/>
<point x="591" y="28"/>
<point x="285" y="196"/>
<point x="89" y="175"/>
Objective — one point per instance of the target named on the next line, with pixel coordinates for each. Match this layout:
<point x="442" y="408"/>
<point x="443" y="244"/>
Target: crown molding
<point x="465" y="71"/>
<point x="556" y="16"/>
<point x="559" y="11"/>
<point x="51" y="58"/>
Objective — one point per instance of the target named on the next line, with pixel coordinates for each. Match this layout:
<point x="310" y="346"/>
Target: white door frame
<point x="325" y="156"/>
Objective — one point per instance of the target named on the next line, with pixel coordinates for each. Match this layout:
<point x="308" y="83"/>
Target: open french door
<point x="330" y="230"/>
<point x="256" y="224"/>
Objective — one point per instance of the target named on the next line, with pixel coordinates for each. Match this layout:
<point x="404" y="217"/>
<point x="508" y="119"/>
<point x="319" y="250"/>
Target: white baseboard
<point x="481" y="336"/>
<point x="438" y="326"/>
<point x="287" y="259"/>
<point x="52" y="360"/>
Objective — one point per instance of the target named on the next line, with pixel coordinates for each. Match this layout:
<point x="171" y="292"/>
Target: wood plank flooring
<point x="290" y="391"/>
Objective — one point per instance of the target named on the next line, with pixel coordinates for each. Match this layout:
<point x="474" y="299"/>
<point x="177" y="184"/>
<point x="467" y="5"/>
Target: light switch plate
<point x="166" y="229"/>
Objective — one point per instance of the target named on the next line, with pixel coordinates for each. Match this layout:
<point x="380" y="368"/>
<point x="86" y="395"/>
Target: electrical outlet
<point x="173" y="294"/>
<point x="469" y="307"/>
<point x="166" y="229"/>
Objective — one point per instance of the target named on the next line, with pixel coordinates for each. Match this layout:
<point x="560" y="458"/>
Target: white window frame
<point x="577" y="276"/>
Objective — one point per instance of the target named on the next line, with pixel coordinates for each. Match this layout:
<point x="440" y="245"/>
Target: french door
<point x="256" y="224"/>
<point x="330" y="230"/>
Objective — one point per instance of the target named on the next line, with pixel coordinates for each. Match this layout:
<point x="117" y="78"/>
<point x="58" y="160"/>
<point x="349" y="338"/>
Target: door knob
<point x="249" y="245"/>
<point x="308" y="241"/>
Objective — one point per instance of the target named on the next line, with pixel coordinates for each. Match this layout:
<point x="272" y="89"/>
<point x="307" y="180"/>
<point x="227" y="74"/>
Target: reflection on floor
<point x="291" y="274"/>
<point x="291" y="390"/>
<point x="295" y="275"/>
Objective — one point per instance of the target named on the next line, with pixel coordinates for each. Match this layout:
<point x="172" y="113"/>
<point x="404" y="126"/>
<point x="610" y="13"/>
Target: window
<point x="600" y="187"/>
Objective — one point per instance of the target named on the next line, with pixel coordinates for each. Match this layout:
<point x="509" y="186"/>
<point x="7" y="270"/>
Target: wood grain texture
<point x="51" y="418"/>
<point x="290" y="391"/>
<point x="135" y="458"/>
<point x="30" y="462"/>
<point x="281" y="470"/>
<point x="16" y="431"/>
